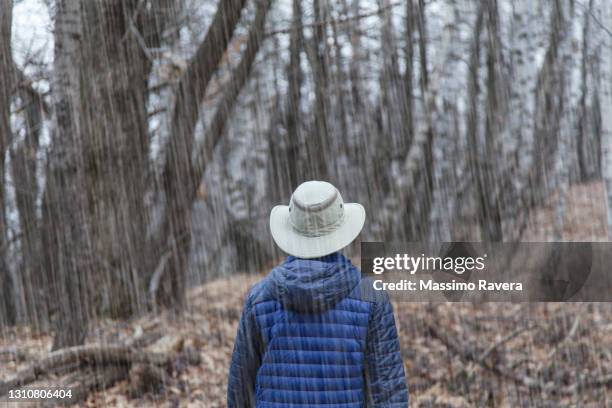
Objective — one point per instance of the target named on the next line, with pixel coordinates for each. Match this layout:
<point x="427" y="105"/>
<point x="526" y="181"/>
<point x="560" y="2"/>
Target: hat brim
<point x="291" y="242"/>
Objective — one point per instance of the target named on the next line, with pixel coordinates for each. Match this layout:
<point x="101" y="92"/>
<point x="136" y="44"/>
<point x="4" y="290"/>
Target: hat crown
<point x="316" y="208"/>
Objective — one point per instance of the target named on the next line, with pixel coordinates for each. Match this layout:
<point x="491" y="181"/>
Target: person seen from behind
<point x="313" y="333"/>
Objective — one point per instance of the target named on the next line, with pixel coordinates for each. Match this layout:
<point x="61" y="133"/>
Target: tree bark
<point x="284" y="171"/>
<point x="585" y="172"/>
<point x="7" y="296"/>
<point x="248" y="248"/>
<point x="34" y="297"/>
<point x="66" y="234"/>
<point x="406" y="209"/>
<point x="606" y="114"/>
<point x="409" y="73"/>
<point x="549" y="104"/>
<point x="116" y="152"/>
<point x="473" y="126"/>
<point x="422" y="30"/>
<point x="182" y="175"/>
<point x="295" y="78"/>
<point x="492" y="197"/>
<point x="317" y="143"/>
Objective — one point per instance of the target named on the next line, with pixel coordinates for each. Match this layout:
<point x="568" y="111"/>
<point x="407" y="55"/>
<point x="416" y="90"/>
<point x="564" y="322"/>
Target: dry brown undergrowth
<point x="456" y="355"/>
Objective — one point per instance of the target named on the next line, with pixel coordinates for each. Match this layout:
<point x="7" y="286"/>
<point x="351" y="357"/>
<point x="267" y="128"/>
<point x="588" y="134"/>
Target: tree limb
<point x="238" y="79"/>
<point x="90" y="355"/>
<point x="337" y="22"/>
<point x="23" y="83"/>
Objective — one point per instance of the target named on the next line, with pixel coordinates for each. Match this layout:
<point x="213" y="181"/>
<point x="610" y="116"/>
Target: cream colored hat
<point x="316" y="222"/>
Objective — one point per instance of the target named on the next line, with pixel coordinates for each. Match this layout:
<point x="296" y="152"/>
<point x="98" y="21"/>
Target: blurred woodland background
<point x="143" y="143"/>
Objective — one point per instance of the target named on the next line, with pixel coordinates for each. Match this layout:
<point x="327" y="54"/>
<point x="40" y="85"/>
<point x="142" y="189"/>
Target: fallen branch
<point x="81" y="384"/>
<point x="567" y="337"/>
<point x="92" y="355"/>
<point x="503" y="340"/>
<point x="471" y="356"/>
<point x="529" y="382"/>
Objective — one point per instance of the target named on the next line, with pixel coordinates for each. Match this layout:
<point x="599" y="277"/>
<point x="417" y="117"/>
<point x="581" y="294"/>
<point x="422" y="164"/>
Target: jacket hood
<point x="314" y="285"/>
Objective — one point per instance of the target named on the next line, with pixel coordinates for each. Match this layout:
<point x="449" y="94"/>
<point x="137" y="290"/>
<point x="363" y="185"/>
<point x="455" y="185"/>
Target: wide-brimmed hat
<point x="316" y="222"/>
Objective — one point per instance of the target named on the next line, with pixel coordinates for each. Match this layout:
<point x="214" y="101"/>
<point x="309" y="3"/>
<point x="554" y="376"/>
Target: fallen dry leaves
<point x="438" y="376"/>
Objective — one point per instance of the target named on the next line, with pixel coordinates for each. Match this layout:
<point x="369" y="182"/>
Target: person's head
<point x="316" y="222"/>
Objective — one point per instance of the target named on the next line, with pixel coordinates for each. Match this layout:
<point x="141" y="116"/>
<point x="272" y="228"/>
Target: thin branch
<point x="503" y="340"/>
<point x="568" y="337"/>
<point x="337" y="22"/>
<point x="21" y="81"/>
<point x="468" y="355"/>
<point x="594" y="17"/>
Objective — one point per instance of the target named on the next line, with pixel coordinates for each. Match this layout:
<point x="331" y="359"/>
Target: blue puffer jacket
<point x="314" y="334"/>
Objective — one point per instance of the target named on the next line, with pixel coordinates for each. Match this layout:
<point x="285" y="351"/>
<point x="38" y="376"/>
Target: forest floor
<point x="455" y="354"/>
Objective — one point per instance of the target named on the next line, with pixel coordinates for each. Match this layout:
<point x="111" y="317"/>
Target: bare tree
<point x="284" y="153"/>
<point x="7" y="304"/>
<point x="24" y="165"/>
<point x="212" y="136"/>
<point x="179" y="179"/>
<point x="64" y="202"/>
<point x="116" y="70"/>
<point x="317" y="141"/>
<point x="458" y="123"/>
<point x="583" y="113"/>
<point x="606" y="114"/>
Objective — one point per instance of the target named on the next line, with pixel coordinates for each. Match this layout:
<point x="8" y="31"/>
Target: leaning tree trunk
<point x="252" y="255"/>
<point x="7" y="304"/>
<point x="66" y="235"/>
<point x="182" y="175"/>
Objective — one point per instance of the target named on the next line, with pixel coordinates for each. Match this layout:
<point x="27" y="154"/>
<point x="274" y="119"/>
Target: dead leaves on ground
<point x="560" y="346"/>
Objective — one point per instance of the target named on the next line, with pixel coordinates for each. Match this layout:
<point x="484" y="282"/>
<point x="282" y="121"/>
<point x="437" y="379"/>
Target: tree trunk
<point x="606" y="114"/>
<point x="292" y="118"/>
<point x="116" y="151"/>
<point x="549" y="105"/>
<point x="252" y="255"/>
<point x="66" y="234"/>
<point x="569" y="100"/>
<point x="584" y="170"/>
<point x="422" y="29"/>
<point x="317" y="141"/>
<point x="24" y="166"/>
<point x="473" y="126"/>
<point x="406" y="210"/>
<point x="284" y="149"/>
<point x="7" y="296"/>
<point x="182" y="175"/>
<point x="408" y="113"/>
<point x="519" y="149"/>
<point x="492" y="197"/>
<point x="394" y="91"/>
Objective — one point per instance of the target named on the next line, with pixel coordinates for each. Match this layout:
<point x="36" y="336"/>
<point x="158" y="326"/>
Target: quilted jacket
<point x="314" y="334"/>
